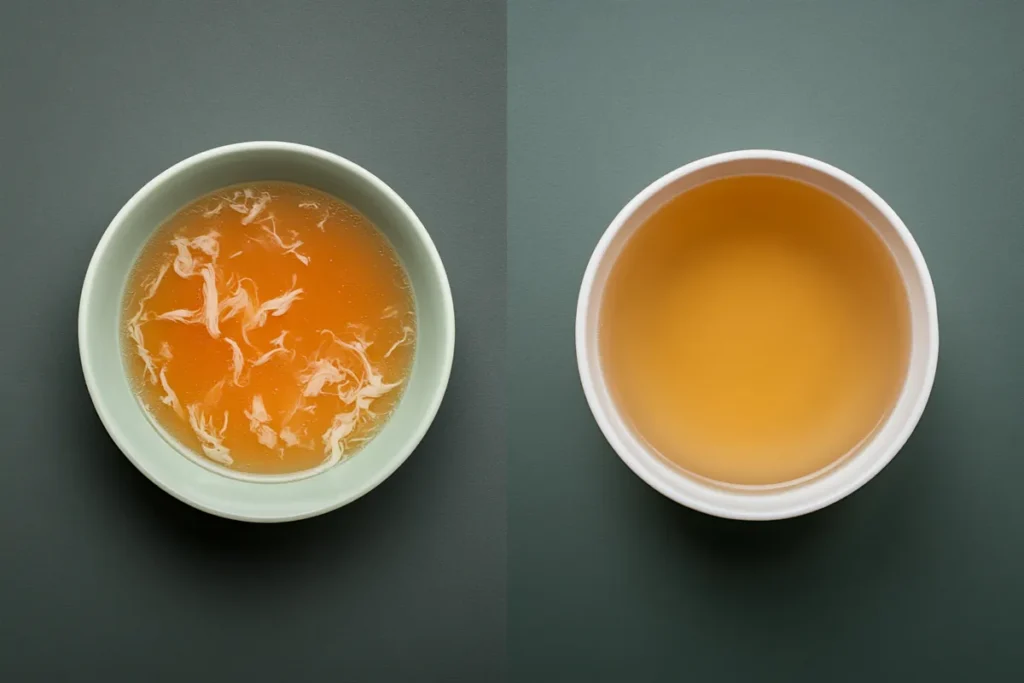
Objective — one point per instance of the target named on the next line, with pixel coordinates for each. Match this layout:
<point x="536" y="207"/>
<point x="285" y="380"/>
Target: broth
<point x="269" y="327"/>
<point x="755" y="330"/>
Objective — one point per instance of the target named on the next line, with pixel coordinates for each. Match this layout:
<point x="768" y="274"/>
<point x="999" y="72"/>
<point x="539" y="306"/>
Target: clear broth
<point x="755" y="330"/>
<point x="269" y="327"/>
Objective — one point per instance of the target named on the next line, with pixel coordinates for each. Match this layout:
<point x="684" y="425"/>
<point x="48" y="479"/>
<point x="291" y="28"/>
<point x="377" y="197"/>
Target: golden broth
<point x="755" y="330"/>
<point x="269" y="327"/>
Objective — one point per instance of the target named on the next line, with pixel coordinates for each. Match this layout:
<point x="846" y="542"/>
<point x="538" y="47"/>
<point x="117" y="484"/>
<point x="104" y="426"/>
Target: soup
<point x="269" y="328"/>
<point x="754" y="331"/>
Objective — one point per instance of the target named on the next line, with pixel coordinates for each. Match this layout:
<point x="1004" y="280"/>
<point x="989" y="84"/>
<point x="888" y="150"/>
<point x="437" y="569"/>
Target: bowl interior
<point x="850" y="473"/>
<point x="100" y="341"/>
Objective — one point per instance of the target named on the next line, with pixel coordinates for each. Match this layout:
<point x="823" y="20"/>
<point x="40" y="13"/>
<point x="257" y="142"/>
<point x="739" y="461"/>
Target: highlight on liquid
<point x="754" y="331"/>
<point x="269" y="327"/>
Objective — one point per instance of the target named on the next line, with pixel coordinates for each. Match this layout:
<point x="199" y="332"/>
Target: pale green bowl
<point x="99" y="339"/>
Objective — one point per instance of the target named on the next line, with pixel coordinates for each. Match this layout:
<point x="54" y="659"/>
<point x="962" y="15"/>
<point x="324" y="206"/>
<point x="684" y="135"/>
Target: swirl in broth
<point x="269" y="327"/>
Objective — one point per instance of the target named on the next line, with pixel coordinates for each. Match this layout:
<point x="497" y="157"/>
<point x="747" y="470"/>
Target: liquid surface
<point x="755" y="330"/>
<point x="269" y="328"/>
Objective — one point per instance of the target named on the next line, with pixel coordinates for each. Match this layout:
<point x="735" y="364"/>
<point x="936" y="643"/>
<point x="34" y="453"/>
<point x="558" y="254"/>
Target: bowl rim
<point x="592" y="379"/>
<point x="447" y="326"/>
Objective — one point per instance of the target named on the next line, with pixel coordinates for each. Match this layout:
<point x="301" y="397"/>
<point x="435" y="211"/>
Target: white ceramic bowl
<point x="852" y="472"/>
<point x="198" y="483"/>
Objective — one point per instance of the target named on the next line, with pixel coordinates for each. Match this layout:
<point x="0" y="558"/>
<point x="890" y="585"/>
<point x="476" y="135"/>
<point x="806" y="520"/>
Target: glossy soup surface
<point x="755" y="330"/>
<point x="269" y="327"/>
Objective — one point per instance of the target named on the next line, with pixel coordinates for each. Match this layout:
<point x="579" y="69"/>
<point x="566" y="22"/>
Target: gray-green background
<point x="919" y="576"/>
<point x="103" y="577"/>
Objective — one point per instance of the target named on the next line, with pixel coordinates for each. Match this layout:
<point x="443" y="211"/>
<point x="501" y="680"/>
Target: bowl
<point x="848" y="474"/>
<point x="99" y="337"/>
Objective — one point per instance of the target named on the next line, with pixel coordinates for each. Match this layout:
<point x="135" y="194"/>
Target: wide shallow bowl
<point x="201" y="483"/>
<point x="851" y="472"/>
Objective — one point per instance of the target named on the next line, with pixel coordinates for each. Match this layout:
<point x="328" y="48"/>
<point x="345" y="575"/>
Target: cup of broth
<point x="757" y="334"/>
<point x="266" y="330"/>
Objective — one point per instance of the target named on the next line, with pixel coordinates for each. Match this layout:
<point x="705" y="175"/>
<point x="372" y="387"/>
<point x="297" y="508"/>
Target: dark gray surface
<point x="920" y="575"/>
<point x="102" y="576"/>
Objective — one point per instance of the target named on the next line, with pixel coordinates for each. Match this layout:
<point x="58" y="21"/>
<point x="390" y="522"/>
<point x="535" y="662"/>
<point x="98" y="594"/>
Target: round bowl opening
<point x="850" y="472"/>
<point x="260" y="499"/>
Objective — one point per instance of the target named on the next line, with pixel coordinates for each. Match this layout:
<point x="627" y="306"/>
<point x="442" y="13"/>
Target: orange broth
<point x="269" y="327"/>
